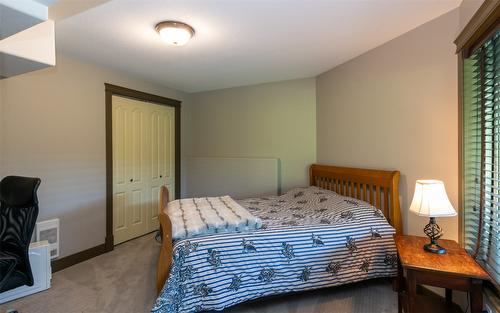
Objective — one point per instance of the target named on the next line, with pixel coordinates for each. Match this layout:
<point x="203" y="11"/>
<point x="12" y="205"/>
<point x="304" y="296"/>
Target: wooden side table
<point x="454" y="270"/>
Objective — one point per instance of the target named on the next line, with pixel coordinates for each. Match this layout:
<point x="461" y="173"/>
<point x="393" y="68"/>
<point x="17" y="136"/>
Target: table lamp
<point x="430" y="200"/>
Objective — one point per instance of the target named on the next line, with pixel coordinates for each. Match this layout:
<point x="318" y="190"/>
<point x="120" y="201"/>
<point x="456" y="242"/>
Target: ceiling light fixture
<point x="175" y="33"/>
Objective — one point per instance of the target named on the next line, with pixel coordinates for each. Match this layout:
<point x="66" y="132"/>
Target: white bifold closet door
<point x="143" y="160"/>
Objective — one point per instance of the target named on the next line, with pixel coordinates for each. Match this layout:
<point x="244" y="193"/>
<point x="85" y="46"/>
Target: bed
<point x="337" y="231"/>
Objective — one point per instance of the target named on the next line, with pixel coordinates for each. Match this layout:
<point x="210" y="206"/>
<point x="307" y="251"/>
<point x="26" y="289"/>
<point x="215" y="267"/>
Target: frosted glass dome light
<point x="175" y="33"/>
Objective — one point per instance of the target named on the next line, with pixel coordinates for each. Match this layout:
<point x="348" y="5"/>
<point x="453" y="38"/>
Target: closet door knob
<point x="131" y="180"/>
<point x="161" y="176"/>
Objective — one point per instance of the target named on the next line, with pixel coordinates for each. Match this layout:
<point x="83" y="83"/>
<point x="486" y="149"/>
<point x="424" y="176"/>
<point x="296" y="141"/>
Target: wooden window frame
<point x="482" y="24"/>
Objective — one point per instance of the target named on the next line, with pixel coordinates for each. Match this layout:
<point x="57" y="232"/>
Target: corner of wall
<point x="186" y="140"/>
<point x="466" y="10"/>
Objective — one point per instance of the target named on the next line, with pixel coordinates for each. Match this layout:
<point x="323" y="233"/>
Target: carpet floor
<point x="123" y="281"/>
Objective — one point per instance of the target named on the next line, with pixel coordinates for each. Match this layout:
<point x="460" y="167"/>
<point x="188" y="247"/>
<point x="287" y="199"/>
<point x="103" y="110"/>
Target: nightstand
<point x="454" y="270"/>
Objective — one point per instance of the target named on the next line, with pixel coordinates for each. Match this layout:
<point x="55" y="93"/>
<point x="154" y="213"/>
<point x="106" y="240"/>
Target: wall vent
<point x="49" y="230"/>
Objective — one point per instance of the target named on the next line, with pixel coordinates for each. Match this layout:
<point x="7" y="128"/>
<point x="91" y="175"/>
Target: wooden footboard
<point x="165" y="258"/>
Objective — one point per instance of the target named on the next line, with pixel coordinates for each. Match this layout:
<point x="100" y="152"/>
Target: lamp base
<point x="434" y="248"/>
<point x="434" y="232"/>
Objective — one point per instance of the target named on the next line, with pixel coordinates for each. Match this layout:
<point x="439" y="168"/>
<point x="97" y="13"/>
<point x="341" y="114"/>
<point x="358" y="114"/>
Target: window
<point x="481" y="154"/>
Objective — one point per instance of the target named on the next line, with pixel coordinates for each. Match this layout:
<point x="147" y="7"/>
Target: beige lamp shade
<point x="430" y="199"/>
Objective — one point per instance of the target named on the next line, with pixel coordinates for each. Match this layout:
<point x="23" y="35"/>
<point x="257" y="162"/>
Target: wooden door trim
<point x="113" y="90"/>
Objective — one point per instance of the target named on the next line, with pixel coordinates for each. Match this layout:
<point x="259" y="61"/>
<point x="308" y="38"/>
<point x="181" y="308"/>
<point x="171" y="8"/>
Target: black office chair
<point x="18" y="213"/>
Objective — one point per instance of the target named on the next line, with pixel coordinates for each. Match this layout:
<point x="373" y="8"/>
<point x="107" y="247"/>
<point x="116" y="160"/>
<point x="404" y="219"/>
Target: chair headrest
<point x="18" y="191"/>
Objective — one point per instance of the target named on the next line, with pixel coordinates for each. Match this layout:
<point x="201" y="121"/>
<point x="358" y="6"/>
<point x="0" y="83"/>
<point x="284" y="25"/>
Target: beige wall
<point x="53" y="127"/>
<point x="274" y="120"/>
<point x="395" y="107"/>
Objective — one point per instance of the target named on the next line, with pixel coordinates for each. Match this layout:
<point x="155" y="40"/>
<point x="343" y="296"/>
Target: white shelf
<point x="27" y="37"/>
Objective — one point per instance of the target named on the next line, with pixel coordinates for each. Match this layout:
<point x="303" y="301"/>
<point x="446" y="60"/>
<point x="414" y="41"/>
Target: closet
<point x="143" y="160"/>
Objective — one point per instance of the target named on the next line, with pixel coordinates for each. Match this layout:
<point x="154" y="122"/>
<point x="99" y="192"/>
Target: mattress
<point x="310" y="238"/>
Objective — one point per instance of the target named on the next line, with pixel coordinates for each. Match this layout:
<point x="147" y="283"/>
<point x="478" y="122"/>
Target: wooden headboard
<point x="379" y="188"/>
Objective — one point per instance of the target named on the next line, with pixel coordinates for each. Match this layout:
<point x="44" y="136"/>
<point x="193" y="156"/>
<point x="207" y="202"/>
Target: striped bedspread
<point x="311" y="238"/>
<point x="203" y="216"/>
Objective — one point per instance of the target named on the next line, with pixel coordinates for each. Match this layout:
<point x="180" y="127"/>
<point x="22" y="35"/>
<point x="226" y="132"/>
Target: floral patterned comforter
<point x="310" y="238"/>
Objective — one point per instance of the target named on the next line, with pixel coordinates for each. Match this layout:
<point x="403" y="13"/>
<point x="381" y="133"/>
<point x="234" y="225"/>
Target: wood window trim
<point x="461" y="181"/>
<point x="483" y="23"/>
<point x="113" y="90"/>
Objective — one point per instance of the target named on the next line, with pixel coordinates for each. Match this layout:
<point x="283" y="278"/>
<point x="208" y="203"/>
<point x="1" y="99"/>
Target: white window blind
<point x="481" y="144"/>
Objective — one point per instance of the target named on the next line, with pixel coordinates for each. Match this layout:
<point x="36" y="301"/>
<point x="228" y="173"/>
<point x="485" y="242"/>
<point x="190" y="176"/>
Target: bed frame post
<point x="312" y="179"/>
<point x="165" y="258"/>
<point x="396" y="210"/>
